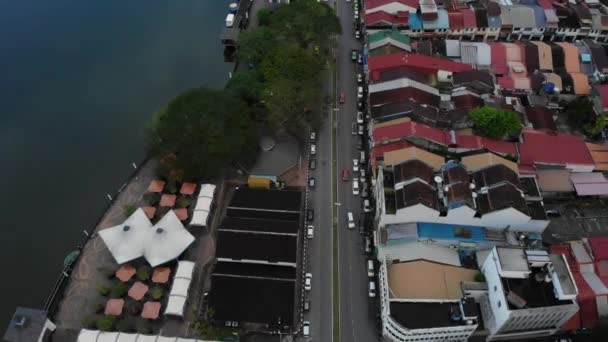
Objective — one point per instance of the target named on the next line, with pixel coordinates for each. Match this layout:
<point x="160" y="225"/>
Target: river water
<point x="78" y="81"/>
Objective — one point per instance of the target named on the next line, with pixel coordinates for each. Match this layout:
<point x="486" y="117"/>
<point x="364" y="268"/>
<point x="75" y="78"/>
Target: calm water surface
<point x="78" y="80"/>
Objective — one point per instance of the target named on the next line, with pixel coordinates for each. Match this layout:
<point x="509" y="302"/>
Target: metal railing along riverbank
<point x="52" y="302"/>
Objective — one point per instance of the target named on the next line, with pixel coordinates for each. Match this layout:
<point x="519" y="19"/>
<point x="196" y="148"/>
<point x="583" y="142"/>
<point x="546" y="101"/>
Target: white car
<point x="360" y="130"/>
<point x="371" y="289"/>
<point x="362" y="175"/>
<point x="306" y="328"/>
<point x="366" y="206"/>
<point x="359" y="92"/>
<point x="356" y="186"/>
<point x="360" y="118"/>
<point x="356" y="165"/>
<point x="313" y="149"/>
<point x="359" y="78"/>
<point x="368" y="245"/>
<point x="308" y="281"/>
<point x="313" y="136"/>
<point x="357" y="34"/>
<point x="351" y="220"/>
<point x="310" y="231"/>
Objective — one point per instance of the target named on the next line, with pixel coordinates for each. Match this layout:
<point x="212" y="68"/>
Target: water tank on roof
<point x="233" y="7"/>
<point x="549" y="87"/>
<point x="444" y="76"/>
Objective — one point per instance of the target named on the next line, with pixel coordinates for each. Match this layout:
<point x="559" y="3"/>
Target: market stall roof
<point x="167" y="240"/>
<point x="590" y="183"/>
<point x="207" y="190"/>
<point x="125" y="241"/>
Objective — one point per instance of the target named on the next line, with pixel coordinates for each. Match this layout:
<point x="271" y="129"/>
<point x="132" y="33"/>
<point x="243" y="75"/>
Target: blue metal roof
<point x="415" y="21"/>
<point x="442" y="21"/>
<point x="441" y="231"/>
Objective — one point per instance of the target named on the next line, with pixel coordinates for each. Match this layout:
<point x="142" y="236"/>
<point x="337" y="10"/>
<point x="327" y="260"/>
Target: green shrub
<point x="89" y="323"/>
<point x="144" y="329"/>
<point x="172" y="187"/>
<point x="106" y="323"/>
<point x="134" y="308"/>
<point x="128" y="210"/>
<point x="143" y="273"/>
<point x="104" y="290"/>
<point x="183" y="202"/>
<point x="152" y="198"/>
<point x="162" y="211"/>
<point x="124" y="326"/>
<point x="156" y="293"/>
<point x="119" y="289"/>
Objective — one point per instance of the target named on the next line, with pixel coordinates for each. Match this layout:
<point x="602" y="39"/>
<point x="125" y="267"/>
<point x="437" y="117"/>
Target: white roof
<point x="199" y="218"/>
<point x="184" y="269"/>
<point x="180" y="287"/>
<point x="107" y="337"/>
<point x="146" y="338"/>
<point x="167" y="240"/>
<point x="88" y="335"/>
<point x="423" y="251"/>
<point x="207" y="190"/>
<point x="126" y="241"/>
<point x="580" y="253"/>
<point x="203" y="203"/>
<point x="175" y="306"/>
<point x="401" y="83"/>
<point x="452" y="47"/>
<point x="126" y="337"/>
<point x="166" y="339"/>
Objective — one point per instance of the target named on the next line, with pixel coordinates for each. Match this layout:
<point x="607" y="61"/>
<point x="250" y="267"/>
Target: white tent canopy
<point x="136" y="237"/>
<point x="167" y="241"/>
<point x="184" y="269"/>
<point x="207" y="190"/>
<point x="203" y="203"/>
<point x="99" y="336"/>
<point x="199" y="218"/>
<point x="179" y="289"/>
<point x="126" y="241"/>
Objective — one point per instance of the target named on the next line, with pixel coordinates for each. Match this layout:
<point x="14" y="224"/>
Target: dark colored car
<point x="353" y="55"/>
<point x="306" y="305"/>
<point x="312" y="164"/>
<point x="342" y="97"/>
<point x="345" y="175"/>
<point x="359" y="142"/>
<point x="310" y="214"/>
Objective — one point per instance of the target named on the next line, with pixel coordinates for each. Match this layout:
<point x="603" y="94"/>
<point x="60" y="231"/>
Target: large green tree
<point x="255" y="45"/>
<point x="494" y="122"/>
<point x="248" y="85"/>
<point x="204" y="131"/>
<point x="580" y="114"/>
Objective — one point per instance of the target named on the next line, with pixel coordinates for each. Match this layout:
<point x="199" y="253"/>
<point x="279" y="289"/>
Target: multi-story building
<point x="530" y="293"/>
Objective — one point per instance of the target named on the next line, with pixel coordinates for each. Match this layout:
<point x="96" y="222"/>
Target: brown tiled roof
<point x="501" y="197"/>
<point x="494" y="175"/>
<point x="460" y="192"/>
<point x="413" y="169"/>
<point x="416" y="193"/>
<point x="410" y="153"/>
<point x="456" y="174"/>
<point x="481" y="161"/>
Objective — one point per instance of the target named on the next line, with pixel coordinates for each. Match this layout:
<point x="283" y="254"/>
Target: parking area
<point x="572" y="221"/>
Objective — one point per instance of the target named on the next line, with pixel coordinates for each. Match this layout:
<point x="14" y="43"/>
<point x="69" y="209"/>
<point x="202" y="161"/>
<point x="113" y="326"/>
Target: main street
<point x="357" y="315"/>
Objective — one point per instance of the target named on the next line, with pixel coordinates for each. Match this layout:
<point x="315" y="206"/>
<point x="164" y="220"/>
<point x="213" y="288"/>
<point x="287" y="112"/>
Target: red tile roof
<point x="453" y="139"/>
<point x="370" y="4"/>
<point x="421" y="63"/>
<point x="402" y="94"/>
<point x="403" y="18"/>
<point x="599" y="246"/>
<point x="498" y="57"/>
<point x="541" y="118"/>
<point x="456" y="20"/>
<point x="469" y="17"/>
<point x="553" y="148"/>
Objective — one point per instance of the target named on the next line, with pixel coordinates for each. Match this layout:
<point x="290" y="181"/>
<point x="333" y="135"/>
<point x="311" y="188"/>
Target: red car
<point x="342" y="97"/>
<point x="345" y="175"/>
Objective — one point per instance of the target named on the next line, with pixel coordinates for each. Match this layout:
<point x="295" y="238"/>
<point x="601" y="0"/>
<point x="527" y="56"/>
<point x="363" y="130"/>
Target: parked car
<point x="364" y="191"/>
<point x="370" y="268"/>
<point x="354" y="128"/>
<point x="360" y="130"/>
<point x="308" y="281"/>
<point x="311" y="182"/>
<point x="359" y="78"/>
<point x="345" y="175"/>
<point x="355" y="165"/>
<point x="360" y="105"/>
<point x="310" y="214"/>
<point x="306" y="328"/>
<point x="353" y="55"/>
<point x="368" y="245"/>
<point x="359" y="142"/>
<point x="362" y="174"/>
<point x="312" y="164"/>
<point x="555" y="212"/>
<point x="360" y="118"/>
<point x="359" y="92"/>
<point x="313" y="136"/>
<point x="366" y="206"/>
<point x="356" y="186"/>
<point x="350" y="219"/>
<point x="371" y="289"/>
<point x="306" y="305"/>
<point x="357" y="34"/>
<point x="360" y="58"/>
<point x="342" y="97"/>
<point x="313" y="149"/>
<point x="310" y="231"/>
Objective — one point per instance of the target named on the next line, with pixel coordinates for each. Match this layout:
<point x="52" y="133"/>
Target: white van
<point x="371" y="288"/>
<point x="359" y="92"/>
<point x="356" y="186"/>
<point x="370" y="268"/>
<point x="351" y="220"/>
<point x="362" y="159"/>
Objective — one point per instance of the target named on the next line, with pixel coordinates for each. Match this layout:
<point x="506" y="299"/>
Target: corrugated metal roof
<point x="519" y="16"/>
<point x="545" y="57"/>
<point x="480" y="161"/>
<point x="410" y="153"/>
<point x="590" y="183"/>
<point x="442" y="21"/>
<point x="566" y="149"/>
<point x="580" y="82"/>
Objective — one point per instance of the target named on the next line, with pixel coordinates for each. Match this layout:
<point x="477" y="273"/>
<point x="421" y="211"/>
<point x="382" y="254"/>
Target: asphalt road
<point x="357" y="320"/>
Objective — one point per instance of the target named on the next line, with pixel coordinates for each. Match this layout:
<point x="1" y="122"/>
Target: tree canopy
<point x="204" y="131"/>
<point x="289" y="53"/>
<point x="494" y="122"/>
<point x="580" y="114"/>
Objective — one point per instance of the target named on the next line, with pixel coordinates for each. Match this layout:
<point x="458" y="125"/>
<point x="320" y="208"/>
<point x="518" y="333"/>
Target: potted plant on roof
<point x="143" y="273"/>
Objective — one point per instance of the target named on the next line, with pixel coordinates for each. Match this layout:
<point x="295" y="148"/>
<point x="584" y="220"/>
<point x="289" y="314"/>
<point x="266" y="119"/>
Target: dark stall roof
<point x="477" y="79"/>
<point x="501" y="197"/>
<point x="402" y="72"/>
<point x="424" y="315"/>
<point x="496" y="174"/>
<point x="401" y="94"/>
<point x="413" y="169"/>
<point x="266" y="199"/>
<point x="252" y="246"/>
<point x="254" y="270"/>
<point x="416" y="193"/>
<point x="260" y="225"/>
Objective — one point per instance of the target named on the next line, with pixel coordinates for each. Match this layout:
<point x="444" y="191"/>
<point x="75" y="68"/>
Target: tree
<point x="206" y="130"/>
<point x="495" y="123"/>
<point x="264" y="17"/>
<point x="255" y="45"/>
<point x="248" y="85"/>
<point x="580" y="114"/>
<point x="106" y="323"/>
